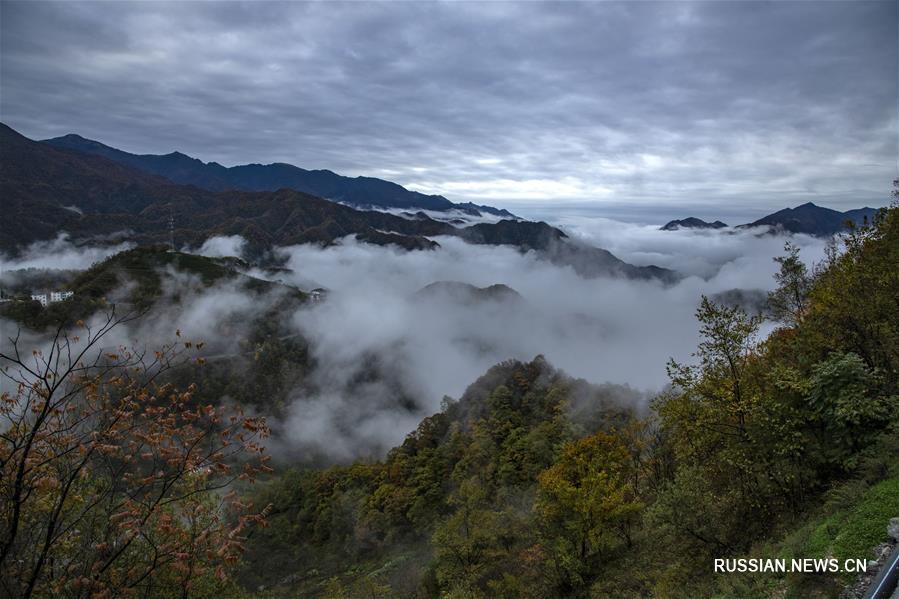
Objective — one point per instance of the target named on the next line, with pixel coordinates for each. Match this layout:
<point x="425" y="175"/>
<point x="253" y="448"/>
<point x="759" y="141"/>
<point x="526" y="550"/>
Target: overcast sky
<point x="720" y="104"/>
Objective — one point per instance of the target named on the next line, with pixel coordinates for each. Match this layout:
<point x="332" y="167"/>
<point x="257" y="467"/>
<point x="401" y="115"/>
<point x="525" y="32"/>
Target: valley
<point x="449" y="300"/>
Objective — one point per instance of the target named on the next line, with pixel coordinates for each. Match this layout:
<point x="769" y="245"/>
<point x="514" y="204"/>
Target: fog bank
<point x="385" y="355"/>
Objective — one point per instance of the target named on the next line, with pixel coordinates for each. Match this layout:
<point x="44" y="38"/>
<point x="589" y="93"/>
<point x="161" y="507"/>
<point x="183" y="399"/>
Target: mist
<point x="219" y="247"/>
<point x="385" y="355"/>
<point x="603" y="330"/>
<point x="60" y="254"/>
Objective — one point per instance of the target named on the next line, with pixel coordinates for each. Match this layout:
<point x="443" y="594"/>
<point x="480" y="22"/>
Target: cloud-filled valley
<point x="600" y="329"/>
<point x="445" y="299"/>
<point x="384" y="355"/>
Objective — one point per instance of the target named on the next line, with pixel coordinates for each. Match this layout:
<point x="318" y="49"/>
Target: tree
<point x="715" y="392"/>
<point x="586" y="502"/>
<point x="465" y="542"/>
<point x="713" y="418"/>
<point x="111" y="480"/>
<point x="855" y="302"/>
<point x="845" y="396"/>
<point x="787" y="302"/>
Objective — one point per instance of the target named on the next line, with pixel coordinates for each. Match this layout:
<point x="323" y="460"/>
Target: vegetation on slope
<point x="459" y="487"/>
<point x="133" y="279"/>
<point x="255" y="361"/>
<point x="359" y="191"/>
<point x="114" y="483"/>
<point x="531" y="485"/>
<point x="515" y="491"/>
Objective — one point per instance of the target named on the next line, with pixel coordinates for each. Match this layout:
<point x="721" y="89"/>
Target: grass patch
<point x="853" y="532"/>
<point x="850" y="531"/>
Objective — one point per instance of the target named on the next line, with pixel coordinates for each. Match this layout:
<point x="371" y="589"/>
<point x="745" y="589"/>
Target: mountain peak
<point x="812" y="219"/>
<point x="8" y="132"/>
<point x="182" y="155"/>
<point x="73" y="141"/>
<point x="692" y="223"/>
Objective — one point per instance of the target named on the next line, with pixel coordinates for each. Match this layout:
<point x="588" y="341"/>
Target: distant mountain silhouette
<point x="525" y="235"/>
<point x="812" y="220"/>
<point x="47" y="190"/>
<point x="753" y="301"/>
<point x="468" y="294"/>
<point x="359" y="192"/>
<point x="692" y="223"/>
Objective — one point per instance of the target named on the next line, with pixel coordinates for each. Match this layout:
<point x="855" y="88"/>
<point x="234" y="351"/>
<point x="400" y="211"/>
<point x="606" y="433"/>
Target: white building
<point x="59" y="296"/>
<point x="52" y="297"/>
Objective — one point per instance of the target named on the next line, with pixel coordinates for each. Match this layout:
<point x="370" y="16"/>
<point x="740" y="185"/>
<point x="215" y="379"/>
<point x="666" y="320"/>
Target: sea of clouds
<point x="426" y="347"/>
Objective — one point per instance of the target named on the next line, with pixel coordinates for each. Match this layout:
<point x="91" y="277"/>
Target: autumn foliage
<point x="115" y="483"/>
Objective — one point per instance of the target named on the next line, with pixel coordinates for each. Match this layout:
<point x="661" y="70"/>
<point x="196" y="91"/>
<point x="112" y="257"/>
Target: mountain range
<point x="49" y="189"/>
<point x="359" y="192"/>
<point x="808" y="218"/>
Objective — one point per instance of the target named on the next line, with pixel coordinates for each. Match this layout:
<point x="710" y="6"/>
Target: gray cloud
<point x="746" y="104"/>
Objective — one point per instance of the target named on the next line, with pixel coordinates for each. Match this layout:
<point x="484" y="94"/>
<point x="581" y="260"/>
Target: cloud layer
<point x="385" y="355"/>
<point x="748" y="104"/>
<point x="604" y="330"/>
<point x="61" y="254"/>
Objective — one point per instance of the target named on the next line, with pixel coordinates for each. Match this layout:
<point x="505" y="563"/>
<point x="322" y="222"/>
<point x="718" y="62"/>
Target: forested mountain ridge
<point x="47" y="190"/>
<point x="132" y="280"/>
<point x="808" y="219"/>
<point x="467" y="293"/>
<point x="360" y="192"/>
<point x="478" y="454"/>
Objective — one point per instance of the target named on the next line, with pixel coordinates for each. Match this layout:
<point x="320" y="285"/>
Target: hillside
<point x="536" y="485"/>
<point x="360" y="192"/>
<point x="47" y="190"/>
<point x="370" y="524"/>
<point x="44" y="189"/>
<point x="807" y="218"/>
<point x="133" y="281"/>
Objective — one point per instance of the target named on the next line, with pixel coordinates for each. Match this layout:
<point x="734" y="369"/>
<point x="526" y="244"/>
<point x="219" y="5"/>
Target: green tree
<point x="468" y="540"/>
<point x="586" y="505"/>
<point x="717" y="394"/>
<point x="788" y="301"/>
<point x="854" y="305"/>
